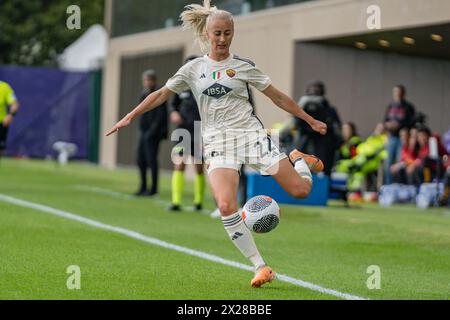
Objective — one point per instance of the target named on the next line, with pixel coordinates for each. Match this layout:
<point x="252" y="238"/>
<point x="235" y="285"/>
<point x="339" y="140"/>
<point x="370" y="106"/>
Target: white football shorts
<point x="231" y="150"/>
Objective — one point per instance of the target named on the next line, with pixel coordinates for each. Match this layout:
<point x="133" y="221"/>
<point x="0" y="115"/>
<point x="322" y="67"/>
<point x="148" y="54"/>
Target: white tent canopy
<point x="87" y="52"/>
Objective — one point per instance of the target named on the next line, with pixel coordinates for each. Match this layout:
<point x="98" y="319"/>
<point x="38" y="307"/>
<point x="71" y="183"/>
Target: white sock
<point x="302" y="168"/>
<point x="242" y="239"/>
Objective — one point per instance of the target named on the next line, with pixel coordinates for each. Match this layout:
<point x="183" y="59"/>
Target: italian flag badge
<point x="216" y="75"/>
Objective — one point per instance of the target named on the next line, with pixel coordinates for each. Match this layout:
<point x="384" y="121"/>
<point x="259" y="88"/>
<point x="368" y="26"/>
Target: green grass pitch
<point x="331" y="247"/>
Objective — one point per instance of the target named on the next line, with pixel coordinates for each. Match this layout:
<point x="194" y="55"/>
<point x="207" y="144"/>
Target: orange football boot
<point x="314" y="163"/>
<point x="262" y="276"/>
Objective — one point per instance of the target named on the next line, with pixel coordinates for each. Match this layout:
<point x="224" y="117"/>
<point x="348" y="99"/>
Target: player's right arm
<point x="152" y="101"/>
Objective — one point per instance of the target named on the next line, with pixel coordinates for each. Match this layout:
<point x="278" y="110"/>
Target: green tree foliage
<point x="34" y="32"/>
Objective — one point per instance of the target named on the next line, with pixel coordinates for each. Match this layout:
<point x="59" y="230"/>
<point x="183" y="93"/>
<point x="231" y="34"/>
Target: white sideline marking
<point x="125" y="196"/>
<point x="116" y="194"/>
<point x="157" y="242"/>
<point x="107" y="192"/>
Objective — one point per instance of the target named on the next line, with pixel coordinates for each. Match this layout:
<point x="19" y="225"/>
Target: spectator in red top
<point x="444" y="200"/>
<point x="424" y="168"/>
<point x="408" y="155"/>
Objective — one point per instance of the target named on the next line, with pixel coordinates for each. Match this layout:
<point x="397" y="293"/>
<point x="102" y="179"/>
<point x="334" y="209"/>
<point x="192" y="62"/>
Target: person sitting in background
<point x="444" y="199"/>
<point x="425" y="168"/>
<point x="447" y="141"/>
<point x="408" y="155"/>
<point x="369" y="155"/>
<point x="351" y="141"/>
<point x="399" y="114"/>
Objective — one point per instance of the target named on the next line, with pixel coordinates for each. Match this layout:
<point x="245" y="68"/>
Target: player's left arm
<point x="289" y="105"/>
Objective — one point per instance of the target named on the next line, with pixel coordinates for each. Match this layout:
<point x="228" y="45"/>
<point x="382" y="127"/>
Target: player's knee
<point x="226" y="207"/>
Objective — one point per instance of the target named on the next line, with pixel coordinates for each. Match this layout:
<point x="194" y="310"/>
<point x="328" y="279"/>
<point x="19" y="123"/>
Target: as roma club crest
<point x="231" y="73"/>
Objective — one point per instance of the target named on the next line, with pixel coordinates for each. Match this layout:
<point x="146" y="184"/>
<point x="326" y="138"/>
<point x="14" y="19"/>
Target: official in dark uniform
<point x="153" y="127"/>
<point x="8" y="109"/>
<point x="184" y="114"/>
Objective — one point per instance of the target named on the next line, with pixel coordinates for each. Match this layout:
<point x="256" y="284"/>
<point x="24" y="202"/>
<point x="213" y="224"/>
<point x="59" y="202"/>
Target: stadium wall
<point x="267" y="37"/>
<point x="360" y="82"/>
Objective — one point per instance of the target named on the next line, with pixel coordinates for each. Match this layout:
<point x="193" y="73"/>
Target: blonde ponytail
<point x="195" y="18"/>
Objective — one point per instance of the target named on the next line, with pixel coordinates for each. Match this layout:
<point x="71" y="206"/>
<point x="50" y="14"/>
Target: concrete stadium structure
<point x="294" y="44"/>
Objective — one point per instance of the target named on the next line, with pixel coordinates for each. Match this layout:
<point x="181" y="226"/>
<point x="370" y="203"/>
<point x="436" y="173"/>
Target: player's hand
<point x="119" y="125"/>
<point x="176" y="118"/>
<point x="319" y="127"/>
<point x="7" y="121"/>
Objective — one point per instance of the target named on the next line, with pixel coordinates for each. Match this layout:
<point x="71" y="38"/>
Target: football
<point x="261" y="214"/>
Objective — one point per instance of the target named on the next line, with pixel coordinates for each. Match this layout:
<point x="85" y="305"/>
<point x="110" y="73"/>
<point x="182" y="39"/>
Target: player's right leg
<point x="224" y="184"/>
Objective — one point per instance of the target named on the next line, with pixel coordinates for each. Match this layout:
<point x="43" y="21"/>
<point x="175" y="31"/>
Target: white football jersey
<point x="221" y="91"/>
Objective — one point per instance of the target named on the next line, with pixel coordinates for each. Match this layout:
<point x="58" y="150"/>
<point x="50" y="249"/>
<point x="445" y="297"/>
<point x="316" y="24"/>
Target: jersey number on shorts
<point x="264" y="146"/>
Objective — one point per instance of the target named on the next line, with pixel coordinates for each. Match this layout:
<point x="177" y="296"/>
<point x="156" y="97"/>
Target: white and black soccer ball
<point x="261" y="214"/>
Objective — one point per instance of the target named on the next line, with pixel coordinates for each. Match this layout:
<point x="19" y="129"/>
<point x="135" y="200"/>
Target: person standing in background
<point x="184" y="113"/>
<point x="312" y="142"/>
<point x="399" y="114"/>
<point x="153" y="127"/>
<point x="8" y="109"/>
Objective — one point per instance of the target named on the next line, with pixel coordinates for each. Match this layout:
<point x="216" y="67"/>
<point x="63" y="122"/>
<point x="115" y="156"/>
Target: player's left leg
<point x="293" y="174"/>
<point x="314" y="163"/>
<point x="297" y="184"/>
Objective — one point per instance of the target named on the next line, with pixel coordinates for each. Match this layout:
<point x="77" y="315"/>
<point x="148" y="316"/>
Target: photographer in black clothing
<point x="153" y="127"/>
<point x="309" y="141"/>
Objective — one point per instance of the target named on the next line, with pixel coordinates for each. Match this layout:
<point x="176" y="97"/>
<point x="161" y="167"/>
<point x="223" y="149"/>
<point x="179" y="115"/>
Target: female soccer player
<point x="231" y="133"/>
